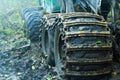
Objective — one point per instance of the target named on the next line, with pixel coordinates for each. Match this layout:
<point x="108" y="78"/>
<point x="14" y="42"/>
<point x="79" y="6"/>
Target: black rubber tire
<point x="45" y="41"/>
<point x="56" y="44"/>
<point x="29" y="10"/>
<point x="105" y="8"/>
<point x="56" y="51"/>
<point x="50" y="59"/>
<point x="46" y="47"/>
<point x="118" y="38"/>
<point x="32" y="20"/>
<point x="26" y="10"/>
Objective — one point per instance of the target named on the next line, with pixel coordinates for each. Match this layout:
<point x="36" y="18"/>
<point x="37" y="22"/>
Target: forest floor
<point x="20" y="60"/>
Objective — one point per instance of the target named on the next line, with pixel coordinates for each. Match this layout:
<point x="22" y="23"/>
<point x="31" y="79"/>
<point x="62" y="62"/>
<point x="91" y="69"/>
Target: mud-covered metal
<point x="82" y="46"/>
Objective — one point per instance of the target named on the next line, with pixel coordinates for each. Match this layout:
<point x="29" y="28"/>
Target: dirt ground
<point x="20" y="60"/>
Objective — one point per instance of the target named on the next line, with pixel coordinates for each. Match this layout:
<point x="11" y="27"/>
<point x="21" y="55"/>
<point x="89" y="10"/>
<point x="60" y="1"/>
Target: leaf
<point x="8" y="31"/>
<point x="98" y="42"/>
<point x="33" y="67"/>
<point x="49" y="78"/>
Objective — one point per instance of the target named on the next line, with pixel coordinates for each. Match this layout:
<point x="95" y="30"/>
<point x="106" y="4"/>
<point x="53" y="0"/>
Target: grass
<point x="19" y="32"/>
<point x="49" y="78"/>
<point x="8" y="31"/>
<point x="1" y="30"/>
<point x="118" y="22"/>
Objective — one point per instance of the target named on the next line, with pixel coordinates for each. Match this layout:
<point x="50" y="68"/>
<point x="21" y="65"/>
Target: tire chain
<point x="74" y="61"/>
<point x="87" y="44"/>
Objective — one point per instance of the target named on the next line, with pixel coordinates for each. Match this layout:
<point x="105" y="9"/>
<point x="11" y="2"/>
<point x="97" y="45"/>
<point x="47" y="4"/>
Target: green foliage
<point x="1" y="30"/>
<point x="19" y="32"/>
<point x="49" y="78"/>
<point x="8" y="32"/>
<point x="10" y="15"/>
<point x="98" y="42"/>
<point x="118" y="22"/>
<point x="33" y="67"/>
<point x="16" y="19"/>
<point x="109" y="19"/>
<point x="6" y="5"/>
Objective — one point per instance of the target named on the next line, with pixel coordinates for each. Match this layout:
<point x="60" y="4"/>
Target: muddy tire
<point x="105" y="8"/>
<point x="29" y="10"/>
<point x="46" y="46"/>
<point x="57" y="54"/>
<point x="48" y="34"/>
<point x="33" y="21"/>
<point x="118" y="38"/>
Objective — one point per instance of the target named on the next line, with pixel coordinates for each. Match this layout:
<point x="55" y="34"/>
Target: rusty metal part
<point x="83" y="46"/>
<point x="80" y="15"/>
